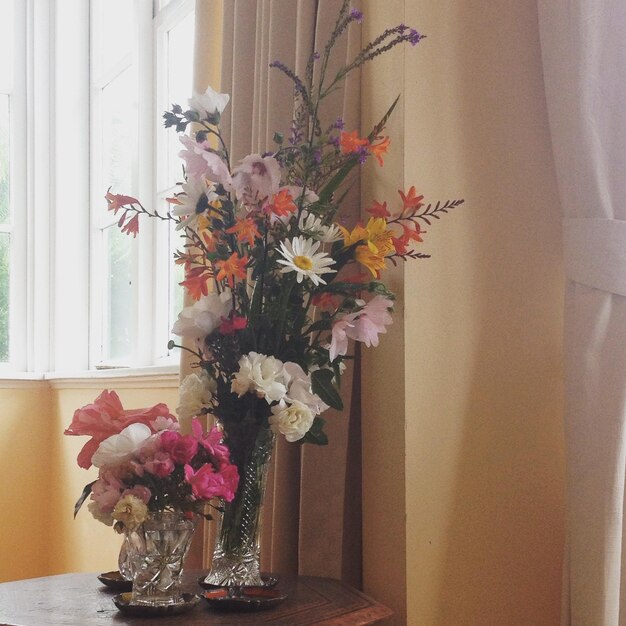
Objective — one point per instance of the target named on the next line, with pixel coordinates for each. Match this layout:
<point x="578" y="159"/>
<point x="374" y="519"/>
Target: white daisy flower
<point x="301" y="256"/>
<point x="312" y="226"/>
<point x="194" y="201"/>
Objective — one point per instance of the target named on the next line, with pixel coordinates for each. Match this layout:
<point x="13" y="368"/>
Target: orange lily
<point x="246" y="230"/>
<point x="351" y="142"/>
<point x="378" y="149"/>
<point x="231" y="268"/>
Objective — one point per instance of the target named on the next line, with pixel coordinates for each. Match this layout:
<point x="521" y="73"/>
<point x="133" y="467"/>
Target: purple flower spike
<point x="356" y="15"/>
<point x="316" y="56"/>
<point x="339" y="124"/>
<point x="414" y="37"/>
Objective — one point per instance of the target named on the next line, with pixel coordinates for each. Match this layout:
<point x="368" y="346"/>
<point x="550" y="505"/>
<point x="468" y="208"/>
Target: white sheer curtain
<point x="584" y="56"/>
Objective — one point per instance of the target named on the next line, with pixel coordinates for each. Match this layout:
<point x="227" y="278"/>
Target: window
<point x="134" y="286"/>
<point x="12" y="185"/>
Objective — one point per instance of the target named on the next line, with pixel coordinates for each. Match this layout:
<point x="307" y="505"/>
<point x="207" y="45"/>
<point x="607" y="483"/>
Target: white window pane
<point x="6" y="44"/>
<point x="119" y="133"/>
<point x="177" y="275"/>
<point x="118" y="323"/>
<point x="114" y="28"/>
<point x="179" y="84"/>
<point x="5" y="190"/>
<point x="5" y="247"/>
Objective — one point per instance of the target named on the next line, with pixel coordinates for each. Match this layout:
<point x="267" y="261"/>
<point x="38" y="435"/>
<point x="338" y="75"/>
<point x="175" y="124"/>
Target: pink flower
<point x="181" y="448"/>
<point x="205" y="483"/>
<point x="371" y="321"/>
<point x="339" y="336"/>
<point x="139" y="491"/>
<point x="230" y="474"/>
<point x="201" y="162"/>
<point x="161" y="465"/>
<point x="364" y="325"/>
<point x="106" y="491"/>
<point x="106" y="417"/>
<point x="256" y="178"/>
<point x="211" y="442"/>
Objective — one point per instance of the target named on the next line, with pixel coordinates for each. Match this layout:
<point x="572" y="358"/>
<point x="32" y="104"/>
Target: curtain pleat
<point x="584" y="59"/>
<point x="311" y="518"/>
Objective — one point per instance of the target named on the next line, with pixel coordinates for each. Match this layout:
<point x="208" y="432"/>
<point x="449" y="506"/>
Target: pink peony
<point x="106" y="417"/>
<point x="181" y="448"/>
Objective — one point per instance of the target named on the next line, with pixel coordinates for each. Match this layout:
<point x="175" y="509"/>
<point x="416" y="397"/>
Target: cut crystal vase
<point x="155" y="552"/>
<point x="237" y="548"/>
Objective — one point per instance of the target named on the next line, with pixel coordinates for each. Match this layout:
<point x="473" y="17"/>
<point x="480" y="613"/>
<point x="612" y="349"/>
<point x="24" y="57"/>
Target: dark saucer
<point x="244" y="598"/>
<point x="115" y="582"/>
<point x="123" y="603"/>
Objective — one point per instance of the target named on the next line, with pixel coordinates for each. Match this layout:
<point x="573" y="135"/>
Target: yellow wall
<point x="41" y="481"/>
<point x="463" y="400"/>
<point x="26" y="481"/>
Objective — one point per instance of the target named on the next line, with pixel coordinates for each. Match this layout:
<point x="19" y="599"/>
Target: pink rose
<point x="106" y="417"/>
<point x="181" y="448"/>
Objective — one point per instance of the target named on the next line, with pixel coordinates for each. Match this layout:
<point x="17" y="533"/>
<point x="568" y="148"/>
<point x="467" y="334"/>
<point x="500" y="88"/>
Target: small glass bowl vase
<point x="155" y="553"/>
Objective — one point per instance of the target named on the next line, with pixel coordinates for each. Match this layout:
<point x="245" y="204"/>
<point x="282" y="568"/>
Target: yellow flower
<point x="131" y="511"/>
<point x="377" y="244"/>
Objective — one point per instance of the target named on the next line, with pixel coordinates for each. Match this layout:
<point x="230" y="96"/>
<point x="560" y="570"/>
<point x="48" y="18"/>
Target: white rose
<point x="262" y="374"/>
<point x="293" y="421"/>
<point x="204" y="316"/>
<point x="208" y="103"/>
<point x="120" y="448"/>
<point x="196" y="392"/>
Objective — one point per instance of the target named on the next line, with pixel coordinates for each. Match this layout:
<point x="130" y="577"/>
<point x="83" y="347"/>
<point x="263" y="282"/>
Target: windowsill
<point x="164" y="376"/>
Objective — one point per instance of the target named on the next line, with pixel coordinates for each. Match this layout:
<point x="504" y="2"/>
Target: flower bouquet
<point x="278" y="284"/>
<point x="152" y="481"/>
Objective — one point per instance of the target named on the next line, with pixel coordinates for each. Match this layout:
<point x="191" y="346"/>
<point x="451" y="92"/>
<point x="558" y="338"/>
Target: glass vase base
<point x="268" y="581"/>
<point x="234" y="572"/>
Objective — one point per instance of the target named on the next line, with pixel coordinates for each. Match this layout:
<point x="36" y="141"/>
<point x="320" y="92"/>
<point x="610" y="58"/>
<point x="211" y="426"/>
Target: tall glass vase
<point x="237" y="548"/>
<point x="155" y="554"/>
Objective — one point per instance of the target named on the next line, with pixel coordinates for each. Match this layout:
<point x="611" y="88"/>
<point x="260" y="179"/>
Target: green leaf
<point x="83" y="497"/>
<point x="322" y="385"/>
<point x="316" y="434"/>
<point x="320" y="325"/>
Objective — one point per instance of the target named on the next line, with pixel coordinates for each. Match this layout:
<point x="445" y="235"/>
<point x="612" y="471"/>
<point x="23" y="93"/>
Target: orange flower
<point x="351" y="142"/>
<point x="116" y="201"/>
<point x="196" y="282"/>
<point x="411" y="201"/>
<point x="231" y="268"/>
<point x="246" y="230"/>
<point x="325" y="300"/>
<point x="379" y="210"/>
<point x="378" y="149"/>
<point x="132" y="225"/>
<point x="282" y="204"/>
<point x="413" y="232"/>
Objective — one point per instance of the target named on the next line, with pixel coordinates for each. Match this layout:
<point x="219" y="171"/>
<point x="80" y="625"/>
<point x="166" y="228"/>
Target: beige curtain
<point x="311" y="521"/>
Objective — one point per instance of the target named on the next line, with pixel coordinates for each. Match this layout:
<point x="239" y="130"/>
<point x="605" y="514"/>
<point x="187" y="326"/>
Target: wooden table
<point x="81" y="600"/>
